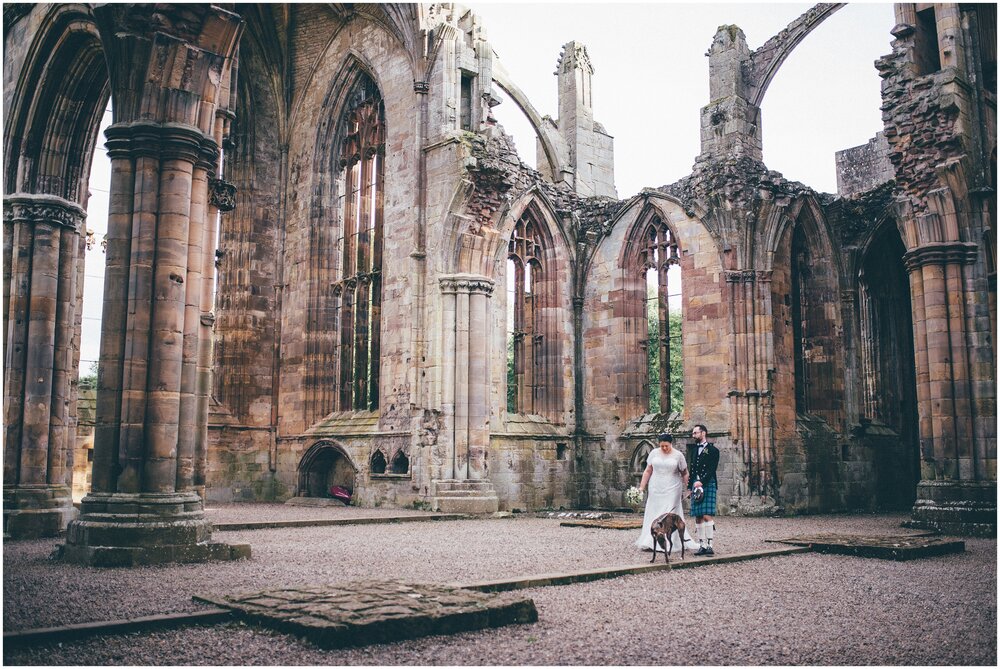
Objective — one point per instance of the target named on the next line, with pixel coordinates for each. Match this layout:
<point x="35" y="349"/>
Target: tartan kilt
<point x="706" y="507"/>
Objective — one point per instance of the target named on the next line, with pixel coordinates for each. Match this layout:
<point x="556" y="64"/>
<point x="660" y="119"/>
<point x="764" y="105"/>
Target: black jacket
<point x="703" y="468"/>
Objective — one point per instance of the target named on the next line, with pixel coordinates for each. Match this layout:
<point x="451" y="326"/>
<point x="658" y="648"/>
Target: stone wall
<point x="864" y="168"/>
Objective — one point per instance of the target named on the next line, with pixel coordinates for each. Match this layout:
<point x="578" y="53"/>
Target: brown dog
<point x="663" y="529"/>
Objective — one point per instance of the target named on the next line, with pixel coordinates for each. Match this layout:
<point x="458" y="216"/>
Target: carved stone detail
<point x="50" y="209"/>
<point x="222" y="194"/>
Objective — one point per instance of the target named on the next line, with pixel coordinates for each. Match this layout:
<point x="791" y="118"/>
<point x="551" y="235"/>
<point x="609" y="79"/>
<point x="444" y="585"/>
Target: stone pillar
<point x="464" y="486"/>
<point x="144" y="507"/>
<point x="730" y="123"/>
<point x="957" y="489"/>
<point x="43" y="232"/>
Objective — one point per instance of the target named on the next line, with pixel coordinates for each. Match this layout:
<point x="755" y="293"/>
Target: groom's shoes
<point x="703" y="551"/>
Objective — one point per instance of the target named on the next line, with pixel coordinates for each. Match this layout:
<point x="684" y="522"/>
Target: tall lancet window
<point x="362" y="158"/>
<point x="525" y="338"/>
<point x="659" y="259"/>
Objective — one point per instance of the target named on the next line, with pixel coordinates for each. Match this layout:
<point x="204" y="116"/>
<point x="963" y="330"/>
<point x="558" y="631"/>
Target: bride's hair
<point x="666" y="437"/>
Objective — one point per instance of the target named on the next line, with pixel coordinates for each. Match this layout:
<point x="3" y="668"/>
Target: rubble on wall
<point x="499" y="175"/>
<point x="920" y="123"/>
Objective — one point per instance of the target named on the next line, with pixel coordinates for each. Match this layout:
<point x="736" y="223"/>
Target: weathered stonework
<point x="840" y="349"/>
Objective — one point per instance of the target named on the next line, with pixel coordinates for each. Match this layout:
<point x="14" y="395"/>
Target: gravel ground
<point x="255" y="512"/>
<point x="800" y="609"/>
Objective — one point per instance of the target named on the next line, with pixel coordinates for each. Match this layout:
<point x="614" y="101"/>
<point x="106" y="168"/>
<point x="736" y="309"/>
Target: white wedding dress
<point x="666" y="492"/>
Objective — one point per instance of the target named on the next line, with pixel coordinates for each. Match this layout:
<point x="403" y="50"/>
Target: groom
<point x="703" y="467"/>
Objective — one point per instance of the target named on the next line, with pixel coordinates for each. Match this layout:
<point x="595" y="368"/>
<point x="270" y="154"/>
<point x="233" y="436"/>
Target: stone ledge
<point x="542" y="580"/>
<point x="134" y="556"/>
<point x="324" y="522"/>
<point x="366" y="612"/>
<point x="41" y="635"/>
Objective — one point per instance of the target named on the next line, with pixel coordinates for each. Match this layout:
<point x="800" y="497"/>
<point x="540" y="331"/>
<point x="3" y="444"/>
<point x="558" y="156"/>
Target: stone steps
<point x="470" y="496"/>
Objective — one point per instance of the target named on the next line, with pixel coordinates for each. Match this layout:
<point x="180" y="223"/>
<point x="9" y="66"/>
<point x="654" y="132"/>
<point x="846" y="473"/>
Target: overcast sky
<point x="650" y="81"/>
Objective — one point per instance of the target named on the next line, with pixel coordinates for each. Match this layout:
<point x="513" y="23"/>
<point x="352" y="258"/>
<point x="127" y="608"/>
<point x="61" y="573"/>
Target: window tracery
<point x="658" y="262"/>
<point x="359" y="292"/>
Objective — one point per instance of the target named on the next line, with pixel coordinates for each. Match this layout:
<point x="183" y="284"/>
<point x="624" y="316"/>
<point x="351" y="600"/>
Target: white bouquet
<point x="633" y="496"/>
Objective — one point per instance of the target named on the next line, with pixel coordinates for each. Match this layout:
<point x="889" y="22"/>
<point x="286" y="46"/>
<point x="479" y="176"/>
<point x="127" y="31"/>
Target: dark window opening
<point x="560" y="451"/>
<point x="400" y="464"/>
<point x="926" y="53"/>
<point x="466" y="107"/>
<point x="378" y="463"/>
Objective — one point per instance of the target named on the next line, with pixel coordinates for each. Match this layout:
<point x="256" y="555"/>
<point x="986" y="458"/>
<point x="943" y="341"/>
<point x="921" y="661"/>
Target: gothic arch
<point x="325" y="464"/>
<point x="331" y="374"/>
<point x="503" y="81"/>
<point x="60" y="98"/>
<point x="535" y="298"/>
<point x="637" y="463"/>
<point x="805" y="284"/>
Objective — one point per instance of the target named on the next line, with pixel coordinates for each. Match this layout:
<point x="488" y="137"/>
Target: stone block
<point x="366" y="612"/>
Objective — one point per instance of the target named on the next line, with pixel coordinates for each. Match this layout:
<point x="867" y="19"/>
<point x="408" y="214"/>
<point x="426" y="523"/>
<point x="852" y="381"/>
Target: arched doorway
<point x="324" y="466"/>
<point x="888" y="376"/>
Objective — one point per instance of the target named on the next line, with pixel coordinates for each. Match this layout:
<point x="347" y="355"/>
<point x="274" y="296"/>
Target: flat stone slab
<point x="582" y="515"/>
<point x="365" y="612"/>
<point x="606" y="524"/>
<point x="894" y="547"/>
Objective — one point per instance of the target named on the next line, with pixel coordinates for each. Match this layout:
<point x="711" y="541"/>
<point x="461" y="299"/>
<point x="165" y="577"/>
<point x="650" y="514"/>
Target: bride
<point x="667" y="476"/>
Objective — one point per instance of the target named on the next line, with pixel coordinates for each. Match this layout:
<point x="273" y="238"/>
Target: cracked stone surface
<point x="358" y="613"/>
<point x="892" y="547"/>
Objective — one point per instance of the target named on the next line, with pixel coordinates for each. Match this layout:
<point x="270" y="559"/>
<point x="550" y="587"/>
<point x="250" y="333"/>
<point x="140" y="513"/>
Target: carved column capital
<point x="50" y="209"/>
<point x="161" y="140"/>
<point x="941" y="253"/>
<point x="472" y="284"/>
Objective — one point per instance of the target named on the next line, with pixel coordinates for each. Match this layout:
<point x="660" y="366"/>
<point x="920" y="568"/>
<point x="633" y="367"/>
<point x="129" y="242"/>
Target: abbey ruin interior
<point x="327" y="267"/>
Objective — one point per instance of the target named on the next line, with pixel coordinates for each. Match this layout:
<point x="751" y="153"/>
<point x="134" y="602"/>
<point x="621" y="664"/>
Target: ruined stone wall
<point x="864" y="168"/>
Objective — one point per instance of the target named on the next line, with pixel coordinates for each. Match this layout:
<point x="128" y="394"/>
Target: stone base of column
<point x="126" y="530"/>
<point x="965" y="508"/>
<point x="34" y="511"/>
<point x="476" y="496"/>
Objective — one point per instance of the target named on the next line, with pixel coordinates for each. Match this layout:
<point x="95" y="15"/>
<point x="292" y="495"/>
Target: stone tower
<point x="589" y="148"/>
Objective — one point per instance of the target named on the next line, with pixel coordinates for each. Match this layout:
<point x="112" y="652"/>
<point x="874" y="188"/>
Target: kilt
<point x="706" y="507"/>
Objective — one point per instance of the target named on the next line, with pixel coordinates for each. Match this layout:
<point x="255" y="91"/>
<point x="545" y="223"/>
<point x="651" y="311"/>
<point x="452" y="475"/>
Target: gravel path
<point x="801" y="609"/>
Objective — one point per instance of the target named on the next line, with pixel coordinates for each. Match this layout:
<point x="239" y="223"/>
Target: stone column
<point x="44" y="253"/>
<point x="464" y="486"/>
<point x="144" y="507"/>
<point x="957" y="489"/>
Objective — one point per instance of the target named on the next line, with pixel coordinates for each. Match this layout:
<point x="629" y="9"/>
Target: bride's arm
<point x="645" y="477"/>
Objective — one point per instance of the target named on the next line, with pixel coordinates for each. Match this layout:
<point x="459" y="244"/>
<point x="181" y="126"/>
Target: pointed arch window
<point x="659" y="264"/>
<point x="525" y="336"/>
<point x="361" y="159"/>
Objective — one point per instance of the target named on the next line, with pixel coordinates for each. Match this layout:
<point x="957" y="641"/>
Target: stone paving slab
<point x="889" y="547"/>
<point x="324" y="522"/>
<point x="606" y="524"/>
<point x="365" y="612"/>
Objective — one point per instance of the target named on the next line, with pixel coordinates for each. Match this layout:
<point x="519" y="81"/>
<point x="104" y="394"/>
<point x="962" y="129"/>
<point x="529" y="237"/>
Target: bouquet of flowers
<point x="633" y="497"/>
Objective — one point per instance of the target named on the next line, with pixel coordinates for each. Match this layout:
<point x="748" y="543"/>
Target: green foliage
<point x="511" y="377"/>
<point x="89" y="380"/>
<point x="676" y="381"/>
